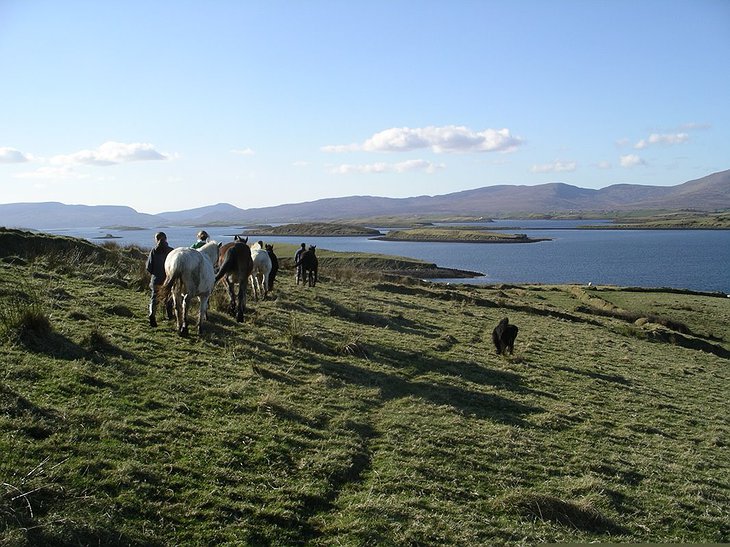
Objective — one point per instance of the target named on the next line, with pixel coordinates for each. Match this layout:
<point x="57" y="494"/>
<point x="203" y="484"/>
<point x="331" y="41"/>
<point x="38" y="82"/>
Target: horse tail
<point x="227" y="265"/>
<point x="170" y="281"/>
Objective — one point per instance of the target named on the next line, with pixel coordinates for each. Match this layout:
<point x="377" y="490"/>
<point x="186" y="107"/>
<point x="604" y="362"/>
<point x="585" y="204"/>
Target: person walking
<point x="156" y="268"/>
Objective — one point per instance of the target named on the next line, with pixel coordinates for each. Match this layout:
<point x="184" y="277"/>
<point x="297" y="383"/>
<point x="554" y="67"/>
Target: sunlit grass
<point x="361" y="411"/>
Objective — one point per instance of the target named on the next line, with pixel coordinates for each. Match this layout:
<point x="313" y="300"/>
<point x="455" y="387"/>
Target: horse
<point x="260" y="272"/>
<point x="504" y="336"/>
<point x="309" y="264"/>
<point x="234" y="266"/>
<point x="211" y="249"/>
<point x="274" y="265"/>
<point x="189" y="273"/>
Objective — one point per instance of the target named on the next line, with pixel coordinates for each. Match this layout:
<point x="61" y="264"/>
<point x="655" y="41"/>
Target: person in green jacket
<point x="202" y="240"/>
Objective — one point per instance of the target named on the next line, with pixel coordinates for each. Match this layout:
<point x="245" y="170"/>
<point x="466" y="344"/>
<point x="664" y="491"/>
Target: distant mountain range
<point x="710" y="193"/>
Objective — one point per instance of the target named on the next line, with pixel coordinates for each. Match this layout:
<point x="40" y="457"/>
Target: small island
<point x="312" y="229"/>
<point x="456" y="234"/>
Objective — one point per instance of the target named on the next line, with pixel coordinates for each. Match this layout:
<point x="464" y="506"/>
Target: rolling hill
<point x="710" y="193"/>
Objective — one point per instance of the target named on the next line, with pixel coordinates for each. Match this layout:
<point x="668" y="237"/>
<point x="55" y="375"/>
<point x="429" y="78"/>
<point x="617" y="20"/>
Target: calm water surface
<point x="691" y="259"/>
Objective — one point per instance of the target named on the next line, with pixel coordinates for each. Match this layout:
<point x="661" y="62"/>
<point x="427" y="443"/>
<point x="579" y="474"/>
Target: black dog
<point x="504" y="336"/>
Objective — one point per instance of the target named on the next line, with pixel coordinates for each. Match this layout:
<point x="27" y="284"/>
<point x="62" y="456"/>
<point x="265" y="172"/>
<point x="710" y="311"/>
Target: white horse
<point x="211" y="250"/>
<point x="260" y="272"/>
<point x="189" y="273"/>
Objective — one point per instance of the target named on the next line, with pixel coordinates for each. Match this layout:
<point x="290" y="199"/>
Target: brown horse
<point x="234" y="266"/>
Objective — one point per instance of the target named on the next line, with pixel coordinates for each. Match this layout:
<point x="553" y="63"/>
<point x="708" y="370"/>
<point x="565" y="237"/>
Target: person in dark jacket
<point x="156" y="268"/>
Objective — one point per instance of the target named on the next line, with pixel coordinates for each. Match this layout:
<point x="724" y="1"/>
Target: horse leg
<point x="241" y="300"/>
<point x="184" y="326"/>
<point x="255" y="289"/>
<point x="232" y="295"/>
<point x="266" y="285"/>
<point x="203" y="311"/>
<point x="177" y="305"/>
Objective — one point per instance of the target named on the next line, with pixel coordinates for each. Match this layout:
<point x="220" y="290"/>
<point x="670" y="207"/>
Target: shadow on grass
<point x="469" y="371"/>
<point x="612" y="378"/>
<point x="95" y="347"/>
<point x="480" y="405"/>
<point x="399" y="324"/>
<point x="37" y="422"/>
<point x="567" y="513"/>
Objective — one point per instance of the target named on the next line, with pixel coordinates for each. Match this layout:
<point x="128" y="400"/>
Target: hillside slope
<point x="360" y="411"/>
<point x="710" y="193"/>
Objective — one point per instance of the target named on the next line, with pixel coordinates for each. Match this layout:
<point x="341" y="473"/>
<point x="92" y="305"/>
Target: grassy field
<point x="363" y="411"/>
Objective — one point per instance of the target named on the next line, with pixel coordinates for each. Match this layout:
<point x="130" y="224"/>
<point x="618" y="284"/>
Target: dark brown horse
<point x="309" y="265"/>
<point x="274" y="265"/>
<point x="234" y="266"/>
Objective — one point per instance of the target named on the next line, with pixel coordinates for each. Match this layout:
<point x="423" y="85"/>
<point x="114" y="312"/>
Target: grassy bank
<point x="361" y="411"/>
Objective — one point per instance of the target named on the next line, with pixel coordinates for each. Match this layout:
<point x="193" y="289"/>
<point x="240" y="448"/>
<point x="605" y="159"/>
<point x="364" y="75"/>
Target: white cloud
<point x="692" y="126"/>
<point x="11" y="155"/>
<point x="631" y="160"/>
<point x="111" y="153"/>
<point x="244" y="152"/>
<point x="339" y="148"/>
<point x="666" y="138"/>
<point x="450" y="138"/>
<point x="555" y="167"/>
<point x="604" y="165"/>
<point x="408" y="166"/>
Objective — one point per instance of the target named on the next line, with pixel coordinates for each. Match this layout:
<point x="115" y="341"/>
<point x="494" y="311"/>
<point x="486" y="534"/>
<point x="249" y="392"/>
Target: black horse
<point x="504" y="336"/>
<point x="309" y="264"/>
<point x="274" y="265"/>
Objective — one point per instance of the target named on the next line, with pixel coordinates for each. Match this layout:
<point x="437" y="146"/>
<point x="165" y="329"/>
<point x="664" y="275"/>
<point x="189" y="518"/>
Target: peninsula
<point x="456" y="234"/>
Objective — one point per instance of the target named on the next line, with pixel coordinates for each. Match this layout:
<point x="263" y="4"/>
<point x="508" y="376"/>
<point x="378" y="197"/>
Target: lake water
<point x="687" y="259"/>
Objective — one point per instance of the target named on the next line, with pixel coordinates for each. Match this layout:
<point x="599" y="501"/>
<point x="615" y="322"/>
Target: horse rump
<point x="234" y="267"/>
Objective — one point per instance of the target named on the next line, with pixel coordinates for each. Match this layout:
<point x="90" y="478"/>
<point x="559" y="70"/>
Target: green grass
<point x="361" y="411"/>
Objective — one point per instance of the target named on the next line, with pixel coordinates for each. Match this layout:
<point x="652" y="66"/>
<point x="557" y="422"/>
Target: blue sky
<point x="169" y="105"/>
